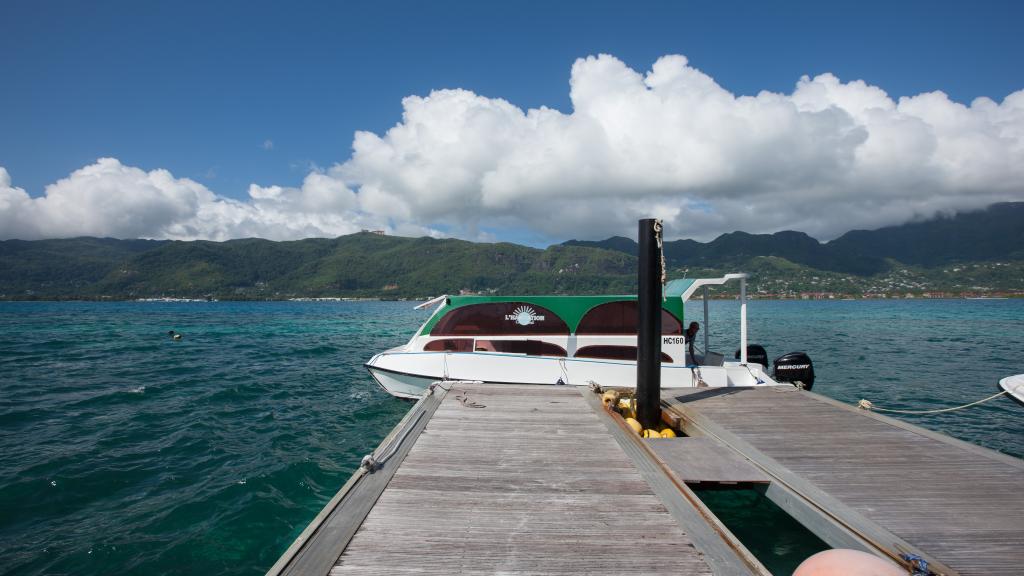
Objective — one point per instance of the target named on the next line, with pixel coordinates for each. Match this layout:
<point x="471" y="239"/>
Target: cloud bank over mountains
<point x="671" y="143"/>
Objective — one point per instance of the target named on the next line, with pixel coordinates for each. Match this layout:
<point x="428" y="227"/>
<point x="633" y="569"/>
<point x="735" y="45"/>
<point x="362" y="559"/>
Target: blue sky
<point x="229" y="94"/>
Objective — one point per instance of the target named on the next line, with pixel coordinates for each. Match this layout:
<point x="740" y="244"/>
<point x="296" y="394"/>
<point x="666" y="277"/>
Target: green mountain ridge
<point x="968" y="253"/>
<point x="991" y="234"/>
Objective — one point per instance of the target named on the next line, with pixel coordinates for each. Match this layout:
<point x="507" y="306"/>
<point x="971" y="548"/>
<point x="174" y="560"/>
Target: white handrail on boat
<point x="431" y="301"/>
<point x="687" y="287"/>
<point x="743" y="319"/>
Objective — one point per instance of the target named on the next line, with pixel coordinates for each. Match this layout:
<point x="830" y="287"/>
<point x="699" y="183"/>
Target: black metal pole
<point x="648" y="332"/>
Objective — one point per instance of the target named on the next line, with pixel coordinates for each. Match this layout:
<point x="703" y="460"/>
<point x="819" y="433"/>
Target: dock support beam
<point x="648" y="337"/>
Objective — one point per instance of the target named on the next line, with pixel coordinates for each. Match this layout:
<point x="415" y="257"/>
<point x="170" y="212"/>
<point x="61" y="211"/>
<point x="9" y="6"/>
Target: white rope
<point x="754" y="376"/>
<point x="661" y="254"/>
<point x="695" y="375"/>
<point x="867" y="405"/>
<point x="371" y="463"/>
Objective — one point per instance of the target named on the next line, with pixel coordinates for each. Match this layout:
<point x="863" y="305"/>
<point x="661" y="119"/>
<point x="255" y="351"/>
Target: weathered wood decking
<point x="496" y="478"/>
<point x="516" y="480"/>
<point x="697" y="460"/>
<point x="904" y="487"/>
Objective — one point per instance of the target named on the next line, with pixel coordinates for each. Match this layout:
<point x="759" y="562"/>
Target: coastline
<point x="836" y="296"/>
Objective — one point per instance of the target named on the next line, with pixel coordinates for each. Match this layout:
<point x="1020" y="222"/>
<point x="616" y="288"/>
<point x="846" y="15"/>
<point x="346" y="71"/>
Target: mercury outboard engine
<point x="795" y="367"/>
<point x="755" y="353"/>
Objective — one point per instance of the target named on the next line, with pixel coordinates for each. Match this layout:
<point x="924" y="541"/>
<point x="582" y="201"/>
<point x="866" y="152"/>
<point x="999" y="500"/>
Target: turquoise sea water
<point x="124" y="452"/>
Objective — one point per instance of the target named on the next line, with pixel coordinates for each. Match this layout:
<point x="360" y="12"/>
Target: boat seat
<point x="713" y="359"/>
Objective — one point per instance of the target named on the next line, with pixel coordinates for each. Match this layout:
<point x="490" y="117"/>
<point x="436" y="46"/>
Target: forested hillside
<point x="970" y="253"/>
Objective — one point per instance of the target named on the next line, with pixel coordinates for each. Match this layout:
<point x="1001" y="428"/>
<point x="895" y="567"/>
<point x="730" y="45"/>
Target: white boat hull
<point x="399" y="384"/>
<point x="1014" y="387"/>
<point x="408" y="374"/>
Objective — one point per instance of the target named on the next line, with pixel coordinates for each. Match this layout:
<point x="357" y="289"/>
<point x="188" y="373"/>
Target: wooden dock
<point x="513" y="480"/>
<point x="494" y="478"/>
<point x="862" y="480"/>
<point x="518" y="480"/>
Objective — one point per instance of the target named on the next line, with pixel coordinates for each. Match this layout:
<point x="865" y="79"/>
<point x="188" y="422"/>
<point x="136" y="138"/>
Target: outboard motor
<point x="796" y="368"/>
<point x="755" y="353"/>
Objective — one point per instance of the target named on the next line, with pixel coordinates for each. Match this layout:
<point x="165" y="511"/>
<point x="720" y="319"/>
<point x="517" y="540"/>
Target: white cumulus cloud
<point x="669" y="142"/>
<point x="110" y="199"/>
<point x="828" y="157"/>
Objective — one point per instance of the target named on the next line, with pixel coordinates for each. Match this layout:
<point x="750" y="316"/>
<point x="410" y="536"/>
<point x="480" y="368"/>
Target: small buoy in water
<point x="634" y="425"/>
<point x="651" y="434"/>
<point x="668" y="433"/>
<point x="841" y="562"/>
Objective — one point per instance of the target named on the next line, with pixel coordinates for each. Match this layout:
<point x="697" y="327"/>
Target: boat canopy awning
<point x="685" y="287"/>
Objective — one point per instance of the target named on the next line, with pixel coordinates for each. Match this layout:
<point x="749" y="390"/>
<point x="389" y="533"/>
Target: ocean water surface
<point x="125" y="452"/>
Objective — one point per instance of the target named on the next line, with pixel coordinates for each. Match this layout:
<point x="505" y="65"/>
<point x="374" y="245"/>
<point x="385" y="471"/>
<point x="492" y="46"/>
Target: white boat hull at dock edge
<point x="408" y="386"/>
<point x="408" y="374"/>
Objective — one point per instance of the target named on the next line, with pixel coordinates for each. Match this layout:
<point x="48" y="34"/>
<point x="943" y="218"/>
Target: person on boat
<point x="690" y="335"/>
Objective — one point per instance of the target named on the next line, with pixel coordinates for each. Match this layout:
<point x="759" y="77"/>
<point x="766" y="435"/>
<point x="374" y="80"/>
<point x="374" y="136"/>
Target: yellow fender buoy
<point x="626" y="408"/>
<point x="651" y="434"/>
<point x="634" y="425"/>
<point x="668" y="433"/>
<point x="610" y="398"/>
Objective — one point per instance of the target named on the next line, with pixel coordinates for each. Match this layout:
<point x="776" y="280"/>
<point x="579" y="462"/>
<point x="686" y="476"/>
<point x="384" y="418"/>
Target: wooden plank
<point x="697" y="460"/>
<point x="823" y="513"/>
<point x="721" y="548"/>
<point x="956" y="442"/>
<point x="529" y="483"/>
<point x="901" y="486"/>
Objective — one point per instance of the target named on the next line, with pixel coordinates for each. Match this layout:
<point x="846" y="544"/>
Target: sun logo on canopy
<point x="524" y="316"/>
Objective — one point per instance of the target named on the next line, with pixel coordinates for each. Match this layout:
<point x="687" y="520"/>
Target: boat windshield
<point x="614" y="353"/>
<point x="620" y="318"/>
<point x="528" y="347"/>
<point x="450" y="345"/>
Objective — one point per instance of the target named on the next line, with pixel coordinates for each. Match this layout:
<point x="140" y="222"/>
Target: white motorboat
<point x="570" y="340"/>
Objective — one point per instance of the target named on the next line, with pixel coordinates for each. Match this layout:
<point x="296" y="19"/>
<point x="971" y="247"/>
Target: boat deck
<point x="898" y="485"/>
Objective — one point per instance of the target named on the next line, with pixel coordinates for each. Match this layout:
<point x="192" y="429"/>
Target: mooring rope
<point x="661" y="254"/>
<point x="867" y="405"/>
<point x="565" y="370"/>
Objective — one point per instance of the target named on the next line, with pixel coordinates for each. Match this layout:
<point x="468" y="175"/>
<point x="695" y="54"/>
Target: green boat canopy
<point x="570" y="309"/>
